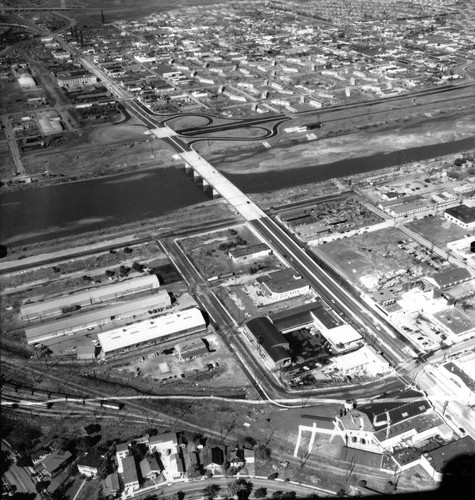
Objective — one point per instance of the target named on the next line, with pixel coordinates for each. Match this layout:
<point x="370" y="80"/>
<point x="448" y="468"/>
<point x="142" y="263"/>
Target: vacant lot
<point x="209" y="252"/>
<point x="438" y="230"/>
<point x="371" y="260"/>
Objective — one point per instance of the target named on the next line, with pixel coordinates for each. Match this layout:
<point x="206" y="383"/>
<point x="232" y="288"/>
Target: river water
<point x="44" y="213"/>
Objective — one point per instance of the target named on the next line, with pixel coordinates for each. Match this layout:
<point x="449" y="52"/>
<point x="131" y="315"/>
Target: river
<point x="47" y="212"/>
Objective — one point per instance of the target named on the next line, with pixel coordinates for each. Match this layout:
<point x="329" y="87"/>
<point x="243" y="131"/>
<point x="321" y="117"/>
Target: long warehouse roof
<point x="146" y="331"/>
<point x="149" y="280"/>
<point x="160" y="299"/>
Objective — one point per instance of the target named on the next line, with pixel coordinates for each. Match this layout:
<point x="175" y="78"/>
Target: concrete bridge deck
<point x="225" y="188"/>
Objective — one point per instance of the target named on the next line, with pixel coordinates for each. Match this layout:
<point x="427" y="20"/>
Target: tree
<point x="277" y="494"/>
<point x="260" y="493"/>
<point x="241" y="488"/>
<point x="289" y="495"/>
<point x="262" y="453"/>
<point x="211" y="491"/>
<point x="5" y="462"/>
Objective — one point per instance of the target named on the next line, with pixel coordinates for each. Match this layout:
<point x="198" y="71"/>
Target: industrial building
<point x="63" y="304"/>
<point x="150" y="332"/>
<point x="97" y="318"/>
<point x="283" y="284"/>
<point x="340" y="335"/>
<point x="271" y="345"/>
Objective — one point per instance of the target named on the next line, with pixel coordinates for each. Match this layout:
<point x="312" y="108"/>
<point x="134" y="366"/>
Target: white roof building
<point x="160" y="328"/>
<point x="343" y="337"/>
<point x="365" y="359"/>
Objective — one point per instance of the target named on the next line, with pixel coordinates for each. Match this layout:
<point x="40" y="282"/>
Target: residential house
<point x="214" y="458"/>
<point x="56" y="462"/>
<point x="149" y="468"/>
<point x="110" y="485"/>
<point x="90" y="463"/>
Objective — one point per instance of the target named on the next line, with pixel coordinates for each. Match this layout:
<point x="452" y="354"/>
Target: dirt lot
<point x="209" y="252"/>
<point x="372" y="259"/>
<point x="438" y="230"/>
<point x="215" y="369"/>
<point x="103" y="150"/>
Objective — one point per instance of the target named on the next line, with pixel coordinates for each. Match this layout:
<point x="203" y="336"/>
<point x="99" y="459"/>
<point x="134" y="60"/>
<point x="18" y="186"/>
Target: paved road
<point x="20" y="169"/>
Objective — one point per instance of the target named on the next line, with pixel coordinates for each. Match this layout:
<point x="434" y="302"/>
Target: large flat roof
<point x="91" y="294"/>
<point x="455" y="320"/>
<point x="146" y="331"/>
<point x="343" y="334"/>
<point x="463" y="213"/>
<point x="73" y="323"/>
<point x="283" y="281"/>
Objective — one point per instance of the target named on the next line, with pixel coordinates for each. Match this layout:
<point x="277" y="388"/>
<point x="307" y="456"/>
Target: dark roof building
<point x="110" y="485"/>
<point x="56" y="461"/>
<point x="449" y="277"/>
<point x="463" y="216"/>
<point x="381" y="426"/>
<point x="89" y="463"/>
<point x="435" y="461"/>
<point x="271" y="344"/>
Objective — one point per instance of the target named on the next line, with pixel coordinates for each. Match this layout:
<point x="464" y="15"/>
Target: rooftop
<point x="440" y="457"/>
<point x="269" y="337"/>
<point x="450" y="276"/>
<point x="283" y="281"/>
<point x="149" y="330"/>
<point x="455" y="320"/>
<point x="463" y="213"/>
<point x="91" y="295"/>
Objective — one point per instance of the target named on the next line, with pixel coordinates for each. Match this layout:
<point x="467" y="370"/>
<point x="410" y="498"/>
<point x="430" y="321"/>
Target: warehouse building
<point x="271" y="345"/>
<point x="97" y="318"/>
<point x="68" y="303"/>
<point x="156" y="330"/>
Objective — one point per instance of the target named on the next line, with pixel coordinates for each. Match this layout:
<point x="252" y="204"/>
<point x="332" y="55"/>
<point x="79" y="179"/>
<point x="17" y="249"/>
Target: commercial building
<point x="271" y="345"/>
<point x="68" y="303"/>
<point x="435" y="461"/>
<point x="384" y="426"/>
<point x="343" y="338"/>
<point x="129" y="475"/>
<point x="463" y="216"/>
<point x="365" y="360"/>
<point x="152" y="331"/>
<point x="283" y="284"/>
<point x="97" y="318"/>
<point x="75" y="78"/>
<point x="449" y="277"/>
<point x="171" y="457"/>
